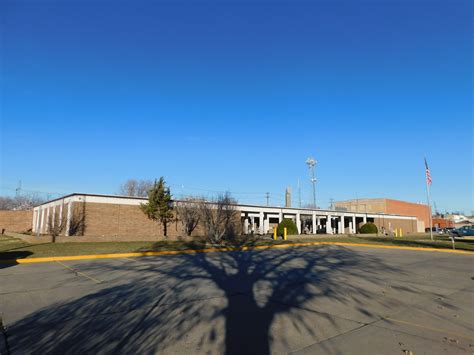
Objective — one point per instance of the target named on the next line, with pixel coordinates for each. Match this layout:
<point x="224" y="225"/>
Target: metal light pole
<point x="311" y="162"/>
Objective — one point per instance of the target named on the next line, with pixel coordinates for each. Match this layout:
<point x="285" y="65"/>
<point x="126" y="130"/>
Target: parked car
<point x="464" y="231"/>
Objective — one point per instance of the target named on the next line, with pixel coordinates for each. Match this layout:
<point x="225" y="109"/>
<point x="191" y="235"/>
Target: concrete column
<point x="341" y="224"/>
<point x="328" y="225"/>
<point x="38" y="221"/>
<point x="298" y="222"/>
<point x="280" y="216"/>
<point x="35" y="217"/>
<point x="351" y="229"/>
<point x="354" y="226"/>
<point x="365" y="218"/>
<point x="69" y="217"/>
<point x="246" y="225"/>
<point x="47" y="220"/>
<point x="315" y="227"/>
<point x="54" y="215"/>
<point x="262" y="223"/>
<point x="61" y="217"/>
<point x="42" y="221"/>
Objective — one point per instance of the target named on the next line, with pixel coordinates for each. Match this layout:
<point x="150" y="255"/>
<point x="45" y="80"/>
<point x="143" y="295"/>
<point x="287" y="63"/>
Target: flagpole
<point x="428" y="183"/>
<point x="429" y="208"/>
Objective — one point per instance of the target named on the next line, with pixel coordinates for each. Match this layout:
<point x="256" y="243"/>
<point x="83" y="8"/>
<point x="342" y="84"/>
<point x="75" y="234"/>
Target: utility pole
<point x="267" y="195"/>
<point x="311" y="162"/>
<point x="18" y="189"/>
<point x="332" y="203"/>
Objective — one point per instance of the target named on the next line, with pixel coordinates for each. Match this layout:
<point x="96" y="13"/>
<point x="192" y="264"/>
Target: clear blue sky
<point x="236" y="95"/>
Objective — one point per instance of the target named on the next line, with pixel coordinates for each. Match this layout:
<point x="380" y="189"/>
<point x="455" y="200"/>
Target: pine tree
<point x="159" y="206"/>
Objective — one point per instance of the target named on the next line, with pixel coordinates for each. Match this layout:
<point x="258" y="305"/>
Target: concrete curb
<point x="214" y="250"/>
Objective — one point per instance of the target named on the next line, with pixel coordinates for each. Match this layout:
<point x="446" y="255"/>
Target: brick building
<point x="385" y="205"/>
<point x="16" y="221"/>
<point x="440" y="222"/>
<point x="103" y="217"/>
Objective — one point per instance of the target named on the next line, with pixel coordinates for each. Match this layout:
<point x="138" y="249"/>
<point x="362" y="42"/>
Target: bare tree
<point x="143" y="187"/>
<point x="136" y="188"/>
<point x="129" y="188"/>
<point x="77" y="224"/>
<point x="23" y="202"/>
<point x="218" y="218"/>
<point x="189" y="213"/>
<point x="56" y="224"/>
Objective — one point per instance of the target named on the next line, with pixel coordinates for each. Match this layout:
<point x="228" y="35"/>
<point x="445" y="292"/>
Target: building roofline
<point x="89" y="194"/>
<point x="237" y="204"/>
<point x="379" y="199"/>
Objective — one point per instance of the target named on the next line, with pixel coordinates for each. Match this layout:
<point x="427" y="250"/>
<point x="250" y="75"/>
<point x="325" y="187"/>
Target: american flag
<point x="428" y="174"/>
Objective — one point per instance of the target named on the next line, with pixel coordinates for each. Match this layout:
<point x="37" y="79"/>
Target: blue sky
<point x="235" y="95"/>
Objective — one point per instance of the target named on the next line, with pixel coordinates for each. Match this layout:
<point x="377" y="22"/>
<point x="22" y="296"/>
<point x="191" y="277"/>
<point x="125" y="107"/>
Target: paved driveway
<point x="311" y="300"/>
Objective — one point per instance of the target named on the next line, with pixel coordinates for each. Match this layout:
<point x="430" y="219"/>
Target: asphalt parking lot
<point x="305" y="300"/>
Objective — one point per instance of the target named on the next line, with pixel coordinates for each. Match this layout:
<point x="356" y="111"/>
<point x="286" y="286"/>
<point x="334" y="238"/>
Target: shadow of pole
<point x="9" y="257"/>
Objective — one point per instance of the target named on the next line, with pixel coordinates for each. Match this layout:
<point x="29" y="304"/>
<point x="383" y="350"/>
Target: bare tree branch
<point x="189" y="213"/>
<point x="23" y="202"/>
<point x="218" y="218"/>
<point x="56" y="223"/>
<point x="136" y="188"/>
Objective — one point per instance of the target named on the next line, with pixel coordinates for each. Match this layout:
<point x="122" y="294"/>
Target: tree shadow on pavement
<point x="229" y="302"/>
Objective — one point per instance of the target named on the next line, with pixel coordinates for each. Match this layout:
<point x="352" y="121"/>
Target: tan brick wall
<point x="364" y="205"/>
<point x="16" y="221"/>
<point x="421" y="212"/>
<point x="111" y="220"/>
<point x="104" y="222"/>
<point x="407" y="225"/>
<point x="402" y="208"/>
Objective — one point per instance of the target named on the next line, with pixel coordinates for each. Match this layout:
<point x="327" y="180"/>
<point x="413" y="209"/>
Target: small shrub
<point x="368" y="228"/>
<point x="290" y="227"/>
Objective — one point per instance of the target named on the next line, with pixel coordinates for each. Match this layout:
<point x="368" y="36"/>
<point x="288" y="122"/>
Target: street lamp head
<point x="311" y="162"/>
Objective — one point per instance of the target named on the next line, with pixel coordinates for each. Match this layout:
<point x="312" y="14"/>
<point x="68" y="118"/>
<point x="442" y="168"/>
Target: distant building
<point x="460" y="220"/>
<point x="440" y="222"/>
<point x="385" y="205"/>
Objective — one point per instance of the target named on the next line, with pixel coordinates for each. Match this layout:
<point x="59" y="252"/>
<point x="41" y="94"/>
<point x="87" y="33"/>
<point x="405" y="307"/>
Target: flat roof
<point x="355" y="200"/>
<point x="237" y="204"/>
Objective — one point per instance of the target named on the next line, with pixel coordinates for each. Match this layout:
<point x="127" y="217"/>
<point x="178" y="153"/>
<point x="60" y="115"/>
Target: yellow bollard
<point x="401" y="233"/>
<point x="274" y="233"/>
<point x="396" y="232"/>
<point x="285" y="233"/>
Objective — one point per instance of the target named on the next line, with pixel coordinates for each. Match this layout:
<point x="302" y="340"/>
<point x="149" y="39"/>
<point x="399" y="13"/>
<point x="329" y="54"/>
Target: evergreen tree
<point x="159" y="206"/>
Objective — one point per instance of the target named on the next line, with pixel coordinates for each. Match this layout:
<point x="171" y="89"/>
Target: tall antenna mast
<point x="311" y="162"/>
